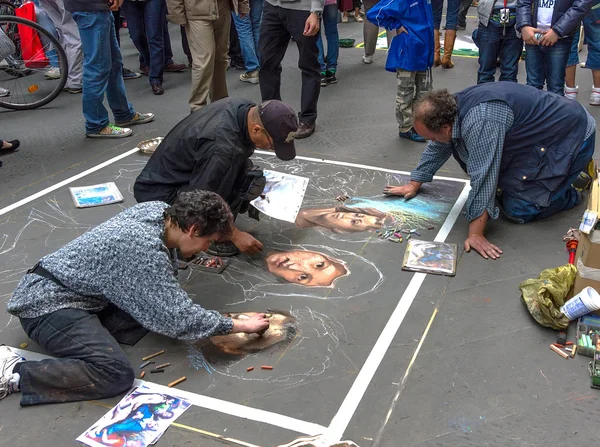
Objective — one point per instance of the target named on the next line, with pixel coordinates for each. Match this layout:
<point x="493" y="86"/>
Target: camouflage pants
<point x="411" y="85"/>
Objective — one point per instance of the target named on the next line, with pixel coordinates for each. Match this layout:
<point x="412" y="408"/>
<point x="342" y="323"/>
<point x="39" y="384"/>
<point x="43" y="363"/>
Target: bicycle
<point x="24" y="64"/>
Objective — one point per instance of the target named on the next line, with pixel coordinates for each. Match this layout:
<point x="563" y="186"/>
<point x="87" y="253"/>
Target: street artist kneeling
<point x="523" y="148"/>
<point x="114" y="284"/>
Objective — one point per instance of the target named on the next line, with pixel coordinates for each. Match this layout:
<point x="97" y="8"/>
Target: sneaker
<point x="571" y="92"/>
<point x="111" y="131"/>
<point x="595" y="97"/>
<point x="8" y="382"/>
<point x="323" y="80"/>
<point x="52" y="73"/>
<point x="250" y="76"/>
<point x="305" y="130"/>
<point x="138" y="118"/>
<point x="412" y="135"/>
<point x="4" y="92"/>
<point x="330" y="77"/>
<point x="224" y="249"/>
<point x="344" y="19"/>
<point x="358" y="18"/>
<point x="73" y="90"/>
<point x="128" y="74"/>
<point x="367" y="59"/>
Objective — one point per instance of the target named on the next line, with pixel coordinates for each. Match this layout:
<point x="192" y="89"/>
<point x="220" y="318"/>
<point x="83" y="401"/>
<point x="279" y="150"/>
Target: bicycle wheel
<point x="30" y="75"/>
<point x="7" y="8"/>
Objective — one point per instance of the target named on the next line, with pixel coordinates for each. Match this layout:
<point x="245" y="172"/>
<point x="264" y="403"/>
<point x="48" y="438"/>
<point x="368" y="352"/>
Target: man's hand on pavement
<point x="481" y="245"/>
<point x="311" y="26"/>
<point x="407" y="191"/>
<point x="246" y="243"/>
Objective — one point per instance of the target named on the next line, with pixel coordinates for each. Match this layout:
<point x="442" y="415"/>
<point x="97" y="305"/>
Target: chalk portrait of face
<point x="282" y="328"/>
<point x="308" y="268"/>
<point x="342" y="219"/>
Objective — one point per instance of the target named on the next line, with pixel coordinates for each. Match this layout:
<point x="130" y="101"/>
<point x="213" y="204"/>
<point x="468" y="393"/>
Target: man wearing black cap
<point x="211" y="149"/>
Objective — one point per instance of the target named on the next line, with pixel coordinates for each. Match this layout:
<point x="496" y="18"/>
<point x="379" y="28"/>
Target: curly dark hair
<point x="205" y="211"/>
<point x="436" y="110"/>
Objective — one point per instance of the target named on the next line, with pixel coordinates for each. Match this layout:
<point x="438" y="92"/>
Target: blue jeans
<point x="547" y="65"/>
<point x="248" y="30"/>
<point x="451" y="13"/>
<point x="330" y="23"/>
<point x="494" y="43"/>
<point x="43" y="19"/>
<point x="574" y="52"/>
<point x="102" y="71"/>
<point x="591" y="26"/>
<point x="145" y="21"/>
<point x="564" y="198"/>
<point x="90" y="363"/>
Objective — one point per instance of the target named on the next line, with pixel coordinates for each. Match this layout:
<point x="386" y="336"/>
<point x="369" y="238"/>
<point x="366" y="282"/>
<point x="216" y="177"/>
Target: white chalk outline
<point x="339" y="423"/>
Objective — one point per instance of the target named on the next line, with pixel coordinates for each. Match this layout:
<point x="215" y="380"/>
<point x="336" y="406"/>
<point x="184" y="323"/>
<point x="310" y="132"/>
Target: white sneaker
<point x="250" y="76"/>
<point x="53" y="73"/>
<point x="571" y="92"/>
<point x="8" y="382"/>
<point x="595" y="96"/>
<point x="367" y="59"/>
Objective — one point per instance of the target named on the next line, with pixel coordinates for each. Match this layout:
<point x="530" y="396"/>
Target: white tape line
<point x="340" y="421"/>
<point x="211" y="403"/>
<point x="361" y="166"/>
<point x="54" y="187"/>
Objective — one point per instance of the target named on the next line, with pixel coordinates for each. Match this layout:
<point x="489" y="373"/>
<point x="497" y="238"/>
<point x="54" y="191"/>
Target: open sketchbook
<point x="282" y="196"/>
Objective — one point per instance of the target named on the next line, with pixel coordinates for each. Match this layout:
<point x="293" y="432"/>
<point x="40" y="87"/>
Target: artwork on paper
<point x="95" y="195"/>
<point x="430" y="257"/>
<point x="138" y="420"/>
<point x="282" y="196"/>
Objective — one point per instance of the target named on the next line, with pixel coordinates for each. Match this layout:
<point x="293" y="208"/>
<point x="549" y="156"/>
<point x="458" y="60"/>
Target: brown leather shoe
<point x="174" y="68"/>
<point x="145" y="71"/>
<point x="305" y="130"/>
<point x="157" y="89"/>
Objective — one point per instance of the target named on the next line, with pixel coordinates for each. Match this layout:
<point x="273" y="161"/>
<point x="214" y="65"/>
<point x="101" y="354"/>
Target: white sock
<point x="15" y="381"/>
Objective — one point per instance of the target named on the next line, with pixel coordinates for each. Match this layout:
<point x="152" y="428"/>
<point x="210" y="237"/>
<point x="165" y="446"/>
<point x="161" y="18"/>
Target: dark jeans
<point x="463" y="10"/>
<point x="493" y="43"/>
<point x="235" y="49"/>
<point x="91" y="364"/>
<point x="547" y="65"/>
<point x="277" y="26"/>
<point x="564" y="198"/>
<point x="146" y="24"/>
<point x="451" y="13"/>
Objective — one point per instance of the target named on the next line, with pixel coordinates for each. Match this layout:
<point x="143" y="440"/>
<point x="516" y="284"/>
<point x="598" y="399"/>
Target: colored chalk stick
<point x="250" y="368"/>
<point x="148" y="357"/>
<point x="156" y="371"/>
<point x="177" y="382"/>
<point x="142" y="374"/>
<point x="266" y="367"/>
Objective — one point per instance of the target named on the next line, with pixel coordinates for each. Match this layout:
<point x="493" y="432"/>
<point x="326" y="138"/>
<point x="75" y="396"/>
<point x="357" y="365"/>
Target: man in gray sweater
<point x="125" y="266"/>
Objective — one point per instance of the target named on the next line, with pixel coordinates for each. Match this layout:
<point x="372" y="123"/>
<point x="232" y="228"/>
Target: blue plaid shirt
<point x="479" y="141"/>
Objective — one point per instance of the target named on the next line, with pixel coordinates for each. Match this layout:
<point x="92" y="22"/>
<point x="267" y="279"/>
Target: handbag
<point x="32" y="50"/>
<point x="7" y="46"/>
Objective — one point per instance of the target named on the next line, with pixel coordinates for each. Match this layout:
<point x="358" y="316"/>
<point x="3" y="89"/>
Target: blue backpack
<point x="412" y="51"/>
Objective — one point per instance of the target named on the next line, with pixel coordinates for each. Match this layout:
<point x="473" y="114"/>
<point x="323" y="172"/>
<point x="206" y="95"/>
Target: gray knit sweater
<point x="125" y="262"/>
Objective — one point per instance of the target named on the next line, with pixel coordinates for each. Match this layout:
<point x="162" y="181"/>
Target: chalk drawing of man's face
<point x="343" y="219"/>
<point x="308" y="268"/>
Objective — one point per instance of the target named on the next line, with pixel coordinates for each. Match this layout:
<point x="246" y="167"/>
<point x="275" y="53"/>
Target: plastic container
<point x="586" y="301"/>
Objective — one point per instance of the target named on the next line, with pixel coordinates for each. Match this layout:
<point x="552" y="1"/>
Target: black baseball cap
<point x="281" y="123"/>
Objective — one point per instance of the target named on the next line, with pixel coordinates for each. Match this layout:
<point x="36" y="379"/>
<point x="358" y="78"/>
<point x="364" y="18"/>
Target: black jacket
<point x="566" y="16"/>
<point x="209" y="150"/>
<point x="86" y="5"/>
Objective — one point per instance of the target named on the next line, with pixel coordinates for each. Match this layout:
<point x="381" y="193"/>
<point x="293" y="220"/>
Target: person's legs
<point x="43" y="19"/>
<point x="564" y="198"/>
<point x="462" y="14"/>
<point x="273" y="42"/>
<point x="246" y="37"/>
<point x="256" y="9"/>
<point x="489" y="42"/>
<point x="591" y="26"/>
<point x="404" y="99"/>
<point x="330" y="23"/>
<point x="308" y="62"/>
<point x="510" y="53"/>
<point x="534" y="65"/>
<point x="95" y="41"/>
<point x="221" y="28"/>
<point x="555" y="63"/>
<point x="91" y="364"/>
<point x="450" y="33"/>
<point x="185" y="44"/>
<point x="322" y="57"/>
<point x="370" y="33"/>
<point x="154" y="12"/>
<point x="134" y="14"/>
<point x="570" y="88"/>
<point x="115" y="92"/>
<point x="202" y="45"/>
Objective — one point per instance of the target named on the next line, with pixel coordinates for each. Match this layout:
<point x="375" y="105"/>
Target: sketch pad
<point x="95" y="195"/>
<point x="430" y="257"/>
<point x="282" y="197"/>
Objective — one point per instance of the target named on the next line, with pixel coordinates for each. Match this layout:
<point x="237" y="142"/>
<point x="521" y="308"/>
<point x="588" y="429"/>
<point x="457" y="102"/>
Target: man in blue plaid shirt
<point x="523" y="148"/>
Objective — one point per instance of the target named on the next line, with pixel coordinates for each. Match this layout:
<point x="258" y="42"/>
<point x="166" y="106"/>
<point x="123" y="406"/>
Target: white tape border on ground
<point x="344" y="415"/>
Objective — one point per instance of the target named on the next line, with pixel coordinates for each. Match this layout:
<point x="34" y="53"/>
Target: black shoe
<point x="14" y="146"/>
<point x="323" y="81"/>
<point x="157" y="89"/>
<point x="305" y="130"/>
<point x="224" y="249"/>
<point x="330" y="77"/>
